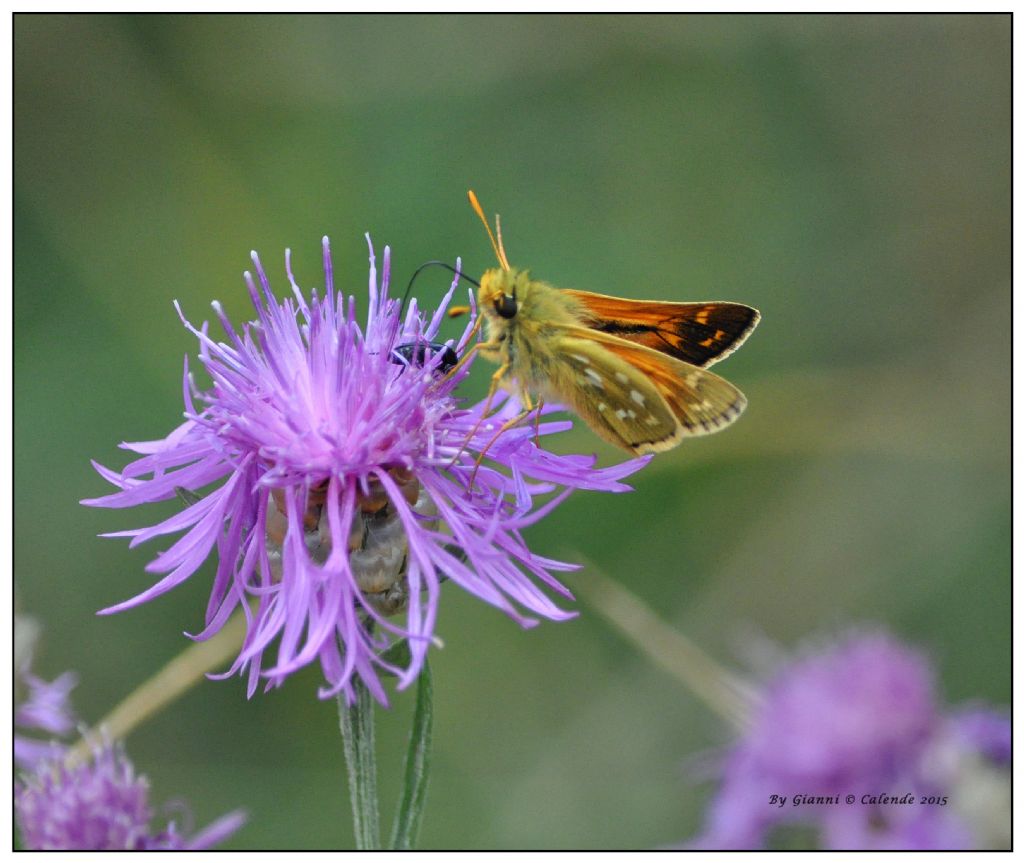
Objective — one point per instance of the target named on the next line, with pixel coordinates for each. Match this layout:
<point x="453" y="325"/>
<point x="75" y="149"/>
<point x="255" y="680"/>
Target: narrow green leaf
<point x="417" y="766"/>
<point x="398" y="655"/>
<point x="186" y="496"/>
<point x="360" y="759"/>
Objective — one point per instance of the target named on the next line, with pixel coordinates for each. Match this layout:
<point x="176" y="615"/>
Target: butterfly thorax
<point x="511" y="299"/>
<point x="524" y="318"/>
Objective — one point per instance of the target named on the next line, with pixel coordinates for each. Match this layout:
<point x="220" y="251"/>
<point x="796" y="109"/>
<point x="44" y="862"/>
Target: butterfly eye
<point x="506" y="306"/>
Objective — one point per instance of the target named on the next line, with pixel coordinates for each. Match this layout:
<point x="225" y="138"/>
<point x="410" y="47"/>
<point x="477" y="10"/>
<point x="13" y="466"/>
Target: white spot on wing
<point x="580" y="359"/>
<point x="621" y="378"/>
<point x="595" y="378"/>
<point x="638" y="397"/>
<point x="601" y="406"/>
<point x="621" y="414"/>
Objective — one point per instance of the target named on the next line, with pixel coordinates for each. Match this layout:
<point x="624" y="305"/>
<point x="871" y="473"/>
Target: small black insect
<point x="415" y="354"/>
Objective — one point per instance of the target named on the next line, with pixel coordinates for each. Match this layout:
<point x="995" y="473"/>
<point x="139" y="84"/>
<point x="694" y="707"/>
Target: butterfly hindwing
<point x="616" y="400"/>
<point x="697" y="333"/>
<point x="699" y="402"/>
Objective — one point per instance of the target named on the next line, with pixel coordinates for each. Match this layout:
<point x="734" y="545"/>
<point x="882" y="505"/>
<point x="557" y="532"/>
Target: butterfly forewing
<point x="696" y="333"/>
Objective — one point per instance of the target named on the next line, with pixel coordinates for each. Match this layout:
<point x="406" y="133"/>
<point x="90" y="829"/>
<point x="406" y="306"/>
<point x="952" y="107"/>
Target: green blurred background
<point x="849" y="176"/>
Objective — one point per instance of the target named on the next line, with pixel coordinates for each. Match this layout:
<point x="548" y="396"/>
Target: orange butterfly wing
<point x="696" y="333"/>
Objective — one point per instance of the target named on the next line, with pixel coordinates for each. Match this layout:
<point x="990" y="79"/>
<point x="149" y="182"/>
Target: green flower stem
<point x="360" y="758"/>
<point x="720" y="690"/>
<point x="168" y="684"/>
<point x="417" y="767"/>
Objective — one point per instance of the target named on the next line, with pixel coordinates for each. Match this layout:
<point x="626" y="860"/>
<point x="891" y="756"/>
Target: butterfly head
<point x="502" y="292"/>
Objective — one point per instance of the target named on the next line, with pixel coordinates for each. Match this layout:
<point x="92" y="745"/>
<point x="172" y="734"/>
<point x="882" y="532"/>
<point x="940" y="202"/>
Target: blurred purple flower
<point x="345" y="489"/>
<point x="858" y="720"/>
<point x="40" y="705"/>
<point x="985" y="731"/>
<point x="100" y="806"/>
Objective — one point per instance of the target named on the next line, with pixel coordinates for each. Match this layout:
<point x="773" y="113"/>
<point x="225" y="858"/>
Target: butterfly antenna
<point x="498" y="250"/>
<point x="501" y="244"/>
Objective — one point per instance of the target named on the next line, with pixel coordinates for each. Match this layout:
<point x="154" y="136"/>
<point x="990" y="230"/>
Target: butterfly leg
<point x="465" y="357"/>
<point x="454" y="370"/>
<point x="495" y="383"/>
<point x="528" y="407"/>
<point x="536" y="423"/>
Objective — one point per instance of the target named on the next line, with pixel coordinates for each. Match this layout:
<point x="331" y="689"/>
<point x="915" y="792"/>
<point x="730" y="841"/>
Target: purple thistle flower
<point x="345" y="489"/>
<point x="100" y="806"/>
<point x="856" y="722"/>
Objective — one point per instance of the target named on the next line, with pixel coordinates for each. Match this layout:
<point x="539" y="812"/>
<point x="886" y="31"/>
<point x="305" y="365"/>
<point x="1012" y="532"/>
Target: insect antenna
<point x="420" y="268"/>
<point x="501" y="243"/>
<point x="496" y="244"/>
